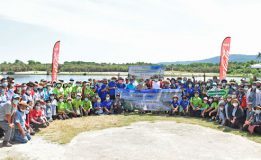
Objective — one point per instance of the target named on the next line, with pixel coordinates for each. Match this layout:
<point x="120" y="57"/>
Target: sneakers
<point x="6" y="144"/>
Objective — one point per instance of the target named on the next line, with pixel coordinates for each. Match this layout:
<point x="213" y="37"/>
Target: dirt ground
<point x="142" y="141"/>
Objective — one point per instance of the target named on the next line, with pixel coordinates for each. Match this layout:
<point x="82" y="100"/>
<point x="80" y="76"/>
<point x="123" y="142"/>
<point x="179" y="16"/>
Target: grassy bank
<point x="63" y="132"/>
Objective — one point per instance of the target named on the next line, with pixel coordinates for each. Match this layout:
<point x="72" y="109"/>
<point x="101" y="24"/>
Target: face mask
<point x="196" y="95"/>
<point x="205" y="102"/>
<point x="214" y="87"/>
<point x="208" y="84"/>
<point x="175" y="99"/>
<point x="15" y="101"/>
<point x="78" y="97"/>
<point x="61" y="100"/>
<point x="245" y="88"/>
<point x="69" y="102"/>
<point x="221" y="109"/>
<point x="211" y="100"/>
<point x="254" y="87"/>
<point x="234" y="87"/>
<point x="234" y="96"/>
<point x="37" y="107"/>
<point x="235" y="104"/>
<point x="86" y="99"/>
<point x="28" y="92"/>
<point x="257" y="111"/>
<point x="5" y="84"/>
<point x="23" y="110"/>
<point x="229" y="99"/>
<point x="99" y="101"/>
<point x="26" y="111"/>
<point x="196" y="85"/>
<point x="58" y="85"/>
<point x="48" y="104"/>
<point x="190" y="85"/>
<point x="227" y="87"/>
<point x="223" y="84"/>
<point x="107" y="99"/>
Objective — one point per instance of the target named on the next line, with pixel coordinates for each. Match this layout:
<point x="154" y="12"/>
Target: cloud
<point x="145" y="30"/>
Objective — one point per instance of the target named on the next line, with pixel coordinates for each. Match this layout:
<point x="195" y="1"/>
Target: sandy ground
<point x="143" y="141"/>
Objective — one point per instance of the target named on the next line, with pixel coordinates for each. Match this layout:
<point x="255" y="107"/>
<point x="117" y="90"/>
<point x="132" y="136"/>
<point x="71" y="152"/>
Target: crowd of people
<point x="27" y="107"/>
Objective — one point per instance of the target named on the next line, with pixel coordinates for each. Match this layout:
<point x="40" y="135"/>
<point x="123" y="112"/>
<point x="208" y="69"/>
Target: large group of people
<point x="26" y="108"/>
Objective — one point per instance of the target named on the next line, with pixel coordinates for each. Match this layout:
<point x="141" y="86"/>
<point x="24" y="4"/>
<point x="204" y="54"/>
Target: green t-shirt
<point x="88" y="91"/>
<point x="87" y="104"/>
<point x="77" y="89"/>
<point x="69" y="106"/>
<point x="61" y="106"/>
<point x="204" y="105"/>
<point x="67" y="91"/>
<point x="58" y="92"/>
<point x="77" y="103"/>
<point x="214" y="105"/>
<point x="196" y="101"/>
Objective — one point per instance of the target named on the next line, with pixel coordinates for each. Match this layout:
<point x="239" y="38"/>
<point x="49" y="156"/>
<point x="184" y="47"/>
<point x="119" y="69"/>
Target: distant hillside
<point x="232" y="58"/>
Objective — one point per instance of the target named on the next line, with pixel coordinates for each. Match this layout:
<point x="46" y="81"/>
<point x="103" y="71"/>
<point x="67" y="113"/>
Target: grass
<point x="63" y="132"/>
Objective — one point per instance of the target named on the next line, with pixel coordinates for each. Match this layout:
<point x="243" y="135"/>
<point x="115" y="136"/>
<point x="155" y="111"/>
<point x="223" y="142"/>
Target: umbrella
<point x="256" y="66"/>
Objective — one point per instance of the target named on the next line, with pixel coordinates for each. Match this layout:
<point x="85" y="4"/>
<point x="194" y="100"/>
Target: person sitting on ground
<point x="48" y="110"/>
<point x="212" y="111"/>
<point x="21" y="135"/>
<point x="195" y="105"/>
<point x="61" y="109"/>
<point x="174" y="105"/>
<point x="86" y="106"/>
<point x="117" y="105"/>
<point x="98" y="109"/>
<point x="221" y="114"/>
<point x="184" y="105"/>
<point x="77" y="104"/>
<point x="69" y="110"/>
<point x="36" y="119"/>
<point x="204" y="107"/>
<point x="237" y="120"/>
<point x="107" y="105"/>
<point x="249" y="116"/>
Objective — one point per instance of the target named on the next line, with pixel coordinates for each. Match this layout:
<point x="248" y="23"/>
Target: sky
<point x="121" y="31"/>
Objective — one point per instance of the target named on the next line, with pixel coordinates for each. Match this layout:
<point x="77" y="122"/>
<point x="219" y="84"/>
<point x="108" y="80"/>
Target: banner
<point x="55" y="60"/>
<point x="146" y="72"/>
<point x="224" y="57"/>
<point x="151" y="99"/>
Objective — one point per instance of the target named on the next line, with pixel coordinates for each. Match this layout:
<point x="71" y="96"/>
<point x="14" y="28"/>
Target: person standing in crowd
<point x="3" y="98"/>
<point x="7" y="111"/>
<point x="112" y="86"/>
<point x="104" y="90"/>
<point x="131" y="85"/>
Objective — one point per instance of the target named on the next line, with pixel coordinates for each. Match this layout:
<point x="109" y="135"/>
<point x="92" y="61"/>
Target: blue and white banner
<point x="151" y="99"/>
<point x="146" y="72"/>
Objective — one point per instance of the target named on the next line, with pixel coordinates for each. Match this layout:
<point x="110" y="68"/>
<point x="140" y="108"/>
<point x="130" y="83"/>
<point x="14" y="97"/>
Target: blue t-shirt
<point x="107" y="104"/>
<point x="184" y="104"/>
<point x="20" y="118"/>
<point x="103" y="94"/>
<point x="175" y="104"/>
<point x="121" y="86"/>
<point x="112" y="91"/>
<point x="97" y="105"/>
<point x="130" y="86"/>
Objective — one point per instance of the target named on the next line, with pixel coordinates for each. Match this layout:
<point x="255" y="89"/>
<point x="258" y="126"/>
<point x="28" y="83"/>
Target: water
<point x="27" y="78"/>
